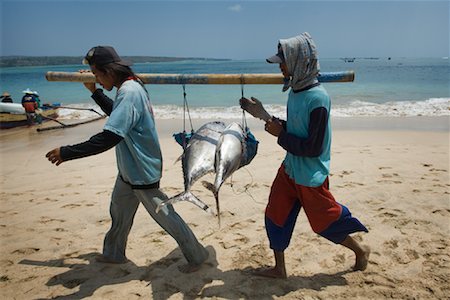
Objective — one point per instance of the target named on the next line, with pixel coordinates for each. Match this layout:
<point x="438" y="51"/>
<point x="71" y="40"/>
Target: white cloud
<point x="236" y="8"/>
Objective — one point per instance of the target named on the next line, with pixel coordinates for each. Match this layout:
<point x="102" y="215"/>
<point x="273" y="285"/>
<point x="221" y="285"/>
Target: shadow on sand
<point x="164" y="280"/>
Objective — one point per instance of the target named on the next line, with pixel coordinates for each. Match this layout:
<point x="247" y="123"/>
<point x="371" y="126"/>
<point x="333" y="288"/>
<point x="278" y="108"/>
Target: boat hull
<point x="13" y="120"/>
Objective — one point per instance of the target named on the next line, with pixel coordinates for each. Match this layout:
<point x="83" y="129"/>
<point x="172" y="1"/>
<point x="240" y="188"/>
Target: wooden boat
<point x="13" y="115"/>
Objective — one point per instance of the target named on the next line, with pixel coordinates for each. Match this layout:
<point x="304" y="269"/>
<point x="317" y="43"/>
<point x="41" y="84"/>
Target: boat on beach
<point x="13" y="114"/>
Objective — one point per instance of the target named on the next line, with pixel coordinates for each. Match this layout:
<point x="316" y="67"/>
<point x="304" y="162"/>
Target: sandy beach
<point x="392" y="173"/>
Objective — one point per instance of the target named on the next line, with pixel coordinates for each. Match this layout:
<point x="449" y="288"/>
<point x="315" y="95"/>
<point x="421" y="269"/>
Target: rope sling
<point x="182" y="138"/>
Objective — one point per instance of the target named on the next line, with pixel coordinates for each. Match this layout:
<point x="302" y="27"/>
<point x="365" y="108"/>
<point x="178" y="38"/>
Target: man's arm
<point x="96" y="144"/>
<point x="105" y="103"/>
<point x="312" y="145"/>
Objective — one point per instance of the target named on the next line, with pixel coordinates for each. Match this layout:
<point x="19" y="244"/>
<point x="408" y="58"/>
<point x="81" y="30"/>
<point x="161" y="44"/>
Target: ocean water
<point x="382" y="87"/>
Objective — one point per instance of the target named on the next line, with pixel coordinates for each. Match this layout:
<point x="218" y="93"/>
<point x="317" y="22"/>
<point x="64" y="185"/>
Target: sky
<point x="224" y="29"/>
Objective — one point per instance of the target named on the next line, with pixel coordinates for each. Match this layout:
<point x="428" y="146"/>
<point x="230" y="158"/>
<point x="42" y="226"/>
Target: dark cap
<point x="103" y="55"/>
<point x="277" y="58"/>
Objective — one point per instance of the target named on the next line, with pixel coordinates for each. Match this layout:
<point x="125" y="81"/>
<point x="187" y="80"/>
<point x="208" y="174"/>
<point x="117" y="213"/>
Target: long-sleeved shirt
<point x="311" y="146"/>
<point x="98" y="143"/>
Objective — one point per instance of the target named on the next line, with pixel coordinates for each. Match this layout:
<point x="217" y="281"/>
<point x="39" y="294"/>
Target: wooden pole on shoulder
<point x="148" y="78"/>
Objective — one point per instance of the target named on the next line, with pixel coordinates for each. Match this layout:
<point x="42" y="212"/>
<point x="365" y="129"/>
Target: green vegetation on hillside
<point x="26" y="61"/>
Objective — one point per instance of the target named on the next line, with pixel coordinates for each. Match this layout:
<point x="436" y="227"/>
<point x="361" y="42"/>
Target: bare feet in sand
<point x="362" y="259"/>
<point x="271" y="273"/>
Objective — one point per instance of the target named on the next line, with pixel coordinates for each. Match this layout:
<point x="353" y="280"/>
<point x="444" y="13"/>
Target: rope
<point x="246" y="187"/>
<point x="185" y="109"/>
<point x="244" y="120"/>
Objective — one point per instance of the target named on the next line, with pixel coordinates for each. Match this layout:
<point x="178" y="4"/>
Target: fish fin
<point x="185" y="196"/>
<point x="209" y="186"/>
<point x="178" y="159"/>
<point x="217" y="207"/>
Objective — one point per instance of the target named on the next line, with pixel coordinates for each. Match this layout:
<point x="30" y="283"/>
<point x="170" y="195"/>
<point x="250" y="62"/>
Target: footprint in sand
<point x="103" y="221"/>
<point x="25" y="251"/>
<point x="390" y="181"/>
<point x="385" y="175"/>
<point x="339" y="259"/>
<point x="252" y="257"/>
<point x="45" y="220"/>
<point x="242" y="224"/>
<point x="442" y="212"/>
<point x="235" y="240"/>
<point x="406" y="256"/>
<point x="345" y="173"/>
<point x="391" y="244"/>
<point x="72" y="205"/>
<point x="6" y="263"/>
<point x="50" y="199"/>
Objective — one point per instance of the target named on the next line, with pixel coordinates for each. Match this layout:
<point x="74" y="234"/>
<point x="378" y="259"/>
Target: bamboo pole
<point x="147" y="78"/>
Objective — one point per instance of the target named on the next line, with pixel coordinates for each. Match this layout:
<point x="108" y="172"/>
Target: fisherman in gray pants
<point x="131" y="129"/>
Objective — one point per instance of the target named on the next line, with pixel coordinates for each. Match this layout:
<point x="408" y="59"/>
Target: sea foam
<point x="433" y="107"/>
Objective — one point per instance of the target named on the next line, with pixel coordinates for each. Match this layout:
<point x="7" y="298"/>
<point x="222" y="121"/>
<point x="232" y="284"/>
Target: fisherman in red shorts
<point x="302" y="179"/>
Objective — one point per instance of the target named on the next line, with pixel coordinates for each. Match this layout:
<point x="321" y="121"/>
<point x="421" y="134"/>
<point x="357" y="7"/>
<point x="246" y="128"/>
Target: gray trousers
<point x="124" y="204"/>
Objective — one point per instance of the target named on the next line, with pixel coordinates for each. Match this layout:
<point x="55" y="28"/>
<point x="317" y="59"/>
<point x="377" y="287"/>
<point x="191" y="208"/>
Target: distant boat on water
<point x="348" y="59"/>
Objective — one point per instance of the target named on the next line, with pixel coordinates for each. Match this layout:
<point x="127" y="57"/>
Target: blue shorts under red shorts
<point x="326" y="217"/>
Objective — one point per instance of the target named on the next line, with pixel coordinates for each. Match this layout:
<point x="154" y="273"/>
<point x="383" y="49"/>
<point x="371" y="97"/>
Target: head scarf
<point x="301" y="58"/>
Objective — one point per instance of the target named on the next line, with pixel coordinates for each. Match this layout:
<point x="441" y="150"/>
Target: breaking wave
<point x="431" y="107"/>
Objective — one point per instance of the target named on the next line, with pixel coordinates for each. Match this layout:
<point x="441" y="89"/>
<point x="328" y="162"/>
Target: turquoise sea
<point x="382" y="87"/>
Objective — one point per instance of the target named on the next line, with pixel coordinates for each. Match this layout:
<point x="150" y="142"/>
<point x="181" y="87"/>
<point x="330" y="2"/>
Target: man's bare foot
<point x="270" y="272"/>
<point x="362" y="259"/>
<point x="189" y="268"/>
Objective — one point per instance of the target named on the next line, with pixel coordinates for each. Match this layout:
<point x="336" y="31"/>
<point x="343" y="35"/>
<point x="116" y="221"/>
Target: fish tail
<point x="211" y="187"/>
<point x="185" y="196"/>
<point x="216" y="195"/>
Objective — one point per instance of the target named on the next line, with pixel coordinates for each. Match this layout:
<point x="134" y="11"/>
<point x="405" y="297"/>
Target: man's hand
<point x="89" y="85"/>
<point x="254" y="107"/>
<point x="54" y="156"/>
<point x="274" y="126"/>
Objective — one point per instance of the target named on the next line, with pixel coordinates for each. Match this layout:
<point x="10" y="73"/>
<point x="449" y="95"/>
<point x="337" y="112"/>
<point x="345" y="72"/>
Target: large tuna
<point x="198" y="160"/>
<point x="231" y="154"/>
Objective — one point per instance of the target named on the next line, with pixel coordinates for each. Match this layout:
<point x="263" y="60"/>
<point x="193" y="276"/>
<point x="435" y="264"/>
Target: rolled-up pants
<point x="327" y="217"/>
<point x="124" y="203"/>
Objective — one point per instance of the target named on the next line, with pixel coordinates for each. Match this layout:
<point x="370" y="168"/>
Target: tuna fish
<point x="197" y="161"/>
<point x="231" y="154"/>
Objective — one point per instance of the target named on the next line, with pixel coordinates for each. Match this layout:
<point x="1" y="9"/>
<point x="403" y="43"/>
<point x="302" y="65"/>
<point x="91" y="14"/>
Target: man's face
<point x="284" y="69"/>
<point x="105" y="79"/>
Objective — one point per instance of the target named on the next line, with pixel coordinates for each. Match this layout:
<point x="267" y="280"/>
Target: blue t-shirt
<point x="307" y="171"/>
<point x="139" y="158"/>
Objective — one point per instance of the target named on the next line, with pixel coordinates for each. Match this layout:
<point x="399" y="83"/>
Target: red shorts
<point x="319" y="204"/>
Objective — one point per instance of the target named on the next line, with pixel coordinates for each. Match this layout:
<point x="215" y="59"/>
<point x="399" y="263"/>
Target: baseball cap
<point x="102" y="55"/>
<point x="277" y="58"/>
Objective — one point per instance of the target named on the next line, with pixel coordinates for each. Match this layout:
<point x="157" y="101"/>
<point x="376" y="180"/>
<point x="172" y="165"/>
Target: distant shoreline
<point x="34" y="61"/>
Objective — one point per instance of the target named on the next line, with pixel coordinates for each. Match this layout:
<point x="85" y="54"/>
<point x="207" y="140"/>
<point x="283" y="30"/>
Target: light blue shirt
<point x="139" y="158"/>
<point x="307" y="171"/>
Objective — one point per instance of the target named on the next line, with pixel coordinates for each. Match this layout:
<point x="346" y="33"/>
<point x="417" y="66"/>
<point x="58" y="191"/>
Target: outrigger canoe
<point x="13" y="114"/>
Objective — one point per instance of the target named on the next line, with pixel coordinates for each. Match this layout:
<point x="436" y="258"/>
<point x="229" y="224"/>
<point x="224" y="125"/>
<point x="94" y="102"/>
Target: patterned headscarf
<point x="301" y="58"/>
